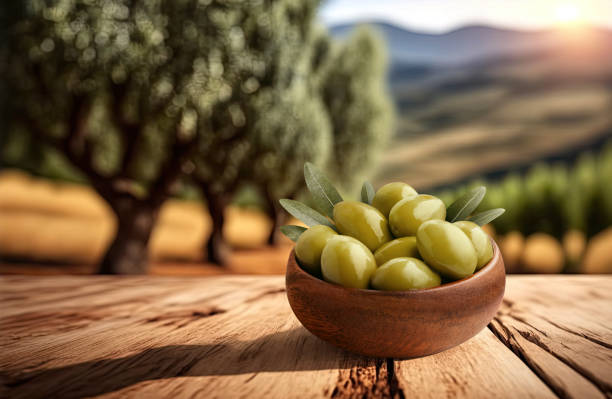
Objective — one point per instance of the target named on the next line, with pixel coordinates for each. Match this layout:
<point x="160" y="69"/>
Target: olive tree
<point x="339" y="90"/>
<point x="118" y="88"/>
<point x="296" y="130"/>
<point x="353" y="91"/>
<point x="293" y="125"/>
<point x="237" y="138"/>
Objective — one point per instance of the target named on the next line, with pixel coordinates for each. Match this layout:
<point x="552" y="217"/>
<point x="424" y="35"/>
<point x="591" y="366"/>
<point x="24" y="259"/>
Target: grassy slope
<point x="484" y="118"/>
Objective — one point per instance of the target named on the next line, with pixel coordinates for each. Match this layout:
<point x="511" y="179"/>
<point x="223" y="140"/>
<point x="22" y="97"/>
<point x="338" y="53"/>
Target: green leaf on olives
<point x="305" y="213"/>
<point x="367" y="193"/>
<point x="323" y="191"/>
<point x="292" y="232"/>
<point x="485" y="217"/>
<point x="465" y="205"/>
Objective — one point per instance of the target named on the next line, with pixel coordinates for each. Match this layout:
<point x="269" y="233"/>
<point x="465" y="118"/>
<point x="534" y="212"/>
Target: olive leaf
<point x="485" y="217"/>
<point x="293" y="232"/>
<point x="367" y="193"/>
<point x="305" y="213"/>
<point x="323" y="191"/>
<point x="465" y="205"/>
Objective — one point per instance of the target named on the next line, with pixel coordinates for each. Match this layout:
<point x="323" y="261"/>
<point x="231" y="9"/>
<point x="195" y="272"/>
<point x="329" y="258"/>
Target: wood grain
<point x="562" y="328"/>
<point x="480" y="368"/>
<point x="235" y="336"/>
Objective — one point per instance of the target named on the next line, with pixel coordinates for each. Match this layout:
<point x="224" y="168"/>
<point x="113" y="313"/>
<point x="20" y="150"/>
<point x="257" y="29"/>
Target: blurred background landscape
<point x="157" y="137"/>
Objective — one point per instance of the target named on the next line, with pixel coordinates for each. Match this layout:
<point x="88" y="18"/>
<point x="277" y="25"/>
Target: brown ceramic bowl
<point x="398" y="324"/>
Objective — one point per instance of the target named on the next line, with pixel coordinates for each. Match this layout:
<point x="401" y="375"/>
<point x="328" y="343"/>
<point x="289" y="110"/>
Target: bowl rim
<point x="486" y="269"/>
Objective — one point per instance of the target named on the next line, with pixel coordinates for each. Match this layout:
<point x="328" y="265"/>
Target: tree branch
<point x="129" y="132"/>
<point x="171" y="169"/>
<point x="75" y="146"/>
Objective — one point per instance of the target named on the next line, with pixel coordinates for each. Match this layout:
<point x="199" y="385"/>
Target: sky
<point x="445" y="15"/>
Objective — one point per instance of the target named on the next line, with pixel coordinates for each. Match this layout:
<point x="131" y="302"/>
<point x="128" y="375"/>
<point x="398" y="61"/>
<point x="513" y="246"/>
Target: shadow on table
<point x="292" y="350"/>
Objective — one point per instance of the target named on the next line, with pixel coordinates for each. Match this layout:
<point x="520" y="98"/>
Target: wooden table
<point x="235" y="336"/>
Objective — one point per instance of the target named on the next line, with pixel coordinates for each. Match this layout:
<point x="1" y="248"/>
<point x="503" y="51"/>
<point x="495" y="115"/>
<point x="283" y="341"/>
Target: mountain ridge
<point x="468" y="43"/>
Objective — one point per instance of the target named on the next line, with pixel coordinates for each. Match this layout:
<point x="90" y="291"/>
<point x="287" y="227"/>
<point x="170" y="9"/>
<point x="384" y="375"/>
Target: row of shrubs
<point x="552" y="198"/>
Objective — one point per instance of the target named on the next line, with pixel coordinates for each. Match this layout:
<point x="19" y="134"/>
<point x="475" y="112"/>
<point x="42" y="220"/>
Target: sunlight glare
<point x="567" y="13"/>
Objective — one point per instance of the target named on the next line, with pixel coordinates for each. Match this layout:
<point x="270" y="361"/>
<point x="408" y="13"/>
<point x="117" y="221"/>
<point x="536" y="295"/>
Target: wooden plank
<point x="215" y="337"/>
<point x="479" y="368"/>
<point x="235" y="336"/>
<point x="560" y="326"/>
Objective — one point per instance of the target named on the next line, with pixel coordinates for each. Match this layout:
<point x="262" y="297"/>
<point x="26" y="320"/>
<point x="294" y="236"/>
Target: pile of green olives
<point x="400" y="242"/>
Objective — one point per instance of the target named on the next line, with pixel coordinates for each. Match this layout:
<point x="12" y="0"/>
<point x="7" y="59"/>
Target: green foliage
<point x="465" y="205"/>
<point x="367" y="193"/>
<point x="554" y="198"/>
<point x="115" y="84"/>
<point x="293" y="232"/>
<point x="323" y="192"/>
<point x="289" y="123"/>
<point x="292" y="129"/>
<point x="304" y="213"/>
<point x="359" y="109"/>
<point x="262" y="88"/>
<point x="485" y="217"/>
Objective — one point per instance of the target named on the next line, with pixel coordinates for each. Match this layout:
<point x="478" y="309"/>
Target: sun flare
<point x="567" y="13"/>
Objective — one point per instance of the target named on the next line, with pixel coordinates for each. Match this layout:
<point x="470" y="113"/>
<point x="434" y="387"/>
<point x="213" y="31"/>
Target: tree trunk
<point x="217" y="250"/>
<point x="128" y="253"/>
<point x="277" y="215"/>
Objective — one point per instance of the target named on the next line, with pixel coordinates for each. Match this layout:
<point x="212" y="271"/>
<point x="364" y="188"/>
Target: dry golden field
<point x="69" y="225"/>
<point x="49" y="227"/>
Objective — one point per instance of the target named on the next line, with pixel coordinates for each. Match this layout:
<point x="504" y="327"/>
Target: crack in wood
<point x="395" y="390"/>
<point x="533" y="338"/>
<point x="504" y="335"/>
<point x="266" y="293"/>
<point x="508" y="338"/>
<point x="579" y="334"/>
<point x="182" y="318"/>
<point x="377" y="381"/>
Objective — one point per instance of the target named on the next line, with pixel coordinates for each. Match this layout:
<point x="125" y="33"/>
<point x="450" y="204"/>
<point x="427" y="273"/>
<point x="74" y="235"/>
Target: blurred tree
<point x="137" y="94"/>
<point x="353" y="91"/>
<point x="339" y="89"/>
<point x="296" y="130"/>
<point x="117" y="87"/>
<point x="293" y="126"/>
<point x="553" y="198"/>
<point x="253" y="127"/>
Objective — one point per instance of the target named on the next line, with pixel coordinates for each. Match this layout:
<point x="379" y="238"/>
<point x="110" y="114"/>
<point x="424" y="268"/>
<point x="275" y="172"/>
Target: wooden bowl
<point x="397" y="324"/>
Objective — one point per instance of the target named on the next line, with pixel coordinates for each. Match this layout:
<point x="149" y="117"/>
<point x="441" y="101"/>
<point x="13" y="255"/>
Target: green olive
<point x="446" y="248"/>
<point x="398" y="248"/>
<point x="309" y="247"/>
<point x="407" y="215"/>
<point x="401" y="274"/>
<point x="390" y="194"/>
<point x="347" y="262"/>
<point x="480" y="240"/>
<point x="363" y="222"/>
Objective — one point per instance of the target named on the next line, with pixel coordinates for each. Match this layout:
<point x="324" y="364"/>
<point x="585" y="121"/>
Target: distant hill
<point x="481" y="101"/>
<point x="467" y="44"/>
